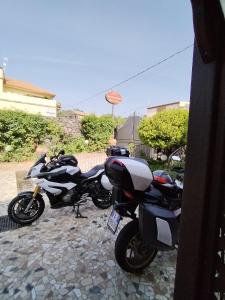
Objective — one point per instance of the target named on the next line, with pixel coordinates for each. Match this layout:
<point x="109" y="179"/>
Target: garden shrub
<point x="167" y="130"/>
<point x="21" y="133"/>
<point x="97" y="130"/>
<point x="71" y="145"/>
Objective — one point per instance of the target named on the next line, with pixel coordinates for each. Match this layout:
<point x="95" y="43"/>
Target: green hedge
<point x="70" y="145"/>
<point x="97" y="130"/>
<point x="21" y="133"/>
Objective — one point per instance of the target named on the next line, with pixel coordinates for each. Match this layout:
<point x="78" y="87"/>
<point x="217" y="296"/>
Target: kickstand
<point x="76" y="209"/>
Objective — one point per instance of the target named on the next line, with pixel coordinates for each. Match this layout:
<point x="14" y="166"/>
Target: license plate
<point x="113" y="221"/>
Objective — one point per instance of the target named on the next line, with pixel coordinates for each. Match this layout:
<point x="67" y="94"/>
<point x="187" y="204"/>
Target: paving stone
<point x="29" y="287"/>
<point x="160" y="297"/>
<point x="77" y="292"/>
<point x="95" y="290"/>
<point x="33" y="294"/>
<point x="110" y="263"/>
<point x="53" y="261"/>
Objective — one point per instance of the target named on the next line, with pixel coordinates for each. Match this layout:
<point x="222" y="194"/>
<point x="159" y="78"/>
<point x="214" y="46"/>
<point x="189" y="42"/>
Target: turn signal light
<point x="160" y="179"/>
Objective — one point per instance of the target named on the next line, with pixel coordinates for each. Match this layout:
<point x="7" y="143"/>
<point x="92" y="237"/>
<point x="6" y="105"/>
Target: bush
<point x="70" y="145"/>
<point x="21" y="133"/>
<point x="157" y="165"/>
<point x="76" y="145"/>
<point x="97" y="130"/>
<point x="117" y="121"/>
<point x="167" y="130"/>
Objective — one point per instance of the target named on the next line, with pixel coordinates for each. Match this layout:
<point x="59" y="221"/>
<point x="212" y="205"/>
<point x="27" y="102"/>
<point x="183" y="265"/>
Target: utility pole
<point x="113" y="120"/>
<point x="133" y="127"/>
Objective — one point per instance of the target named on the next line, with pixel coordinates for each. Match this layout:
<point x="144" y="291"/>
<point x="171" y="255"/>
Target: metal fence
<point x="86" y="161"/>
<point x="144" y="151"/>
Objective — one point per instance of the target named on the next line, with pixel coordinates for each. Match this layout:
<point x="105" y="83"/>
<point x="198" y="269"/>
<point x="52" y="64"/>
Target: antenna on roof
<point x="4" y="63"/>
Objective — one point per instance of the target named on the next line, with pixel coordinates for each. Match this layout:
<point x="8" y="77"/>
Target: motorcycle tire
<point x="18" y="205"/>
<point x="129" y="239"/>
<point x="102" y="198"/>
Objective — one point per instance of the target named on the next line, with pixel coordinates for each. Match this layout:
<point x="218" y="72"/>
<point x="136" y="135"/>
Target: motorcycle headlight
<point x="35" y="180"/>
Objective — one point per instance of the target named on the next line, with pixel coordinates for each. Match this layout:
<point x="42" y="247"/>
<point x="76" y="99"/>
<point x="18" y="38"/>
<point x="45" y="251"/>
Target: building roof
<point x="27" y="87"/>
<point x="168" y="104"/>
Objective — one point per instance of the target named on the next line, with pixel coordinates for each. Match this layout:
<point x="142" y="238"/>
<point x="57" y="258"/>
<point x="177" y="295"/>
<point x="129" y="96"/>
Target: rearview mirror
<point x="175" y="158"/>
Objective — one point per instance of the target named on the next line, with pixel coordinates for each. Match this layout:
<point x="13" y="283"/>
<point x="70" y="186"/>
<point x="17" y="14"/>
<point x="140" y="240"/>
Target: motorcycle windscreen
<point x="158" y="226"/>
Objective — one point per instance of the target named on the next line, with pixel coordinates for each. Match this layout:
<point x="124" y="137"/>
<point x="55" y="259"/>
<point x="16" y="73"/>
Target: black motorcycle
<point x="64" y="184"/>
<point x="158" y="199"/>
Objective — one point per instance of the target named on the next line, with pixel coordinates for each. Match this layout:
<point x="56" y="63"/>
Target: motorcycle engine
<point x="69" y="197"/>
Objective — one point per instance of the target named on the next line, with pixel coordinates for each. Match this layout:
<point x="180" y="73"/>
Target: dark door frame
<point x="200" y="264"/>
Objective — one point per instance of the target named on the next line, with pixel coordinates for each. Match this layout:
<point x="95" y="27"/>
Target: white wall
<point x="35" y="105"/>
<point x="28" y="104"/>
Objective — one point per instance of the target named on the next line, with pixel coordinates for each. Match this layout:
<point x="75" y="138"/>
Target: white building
<point x="24" y="96"/>
<point x="151" y="111"/>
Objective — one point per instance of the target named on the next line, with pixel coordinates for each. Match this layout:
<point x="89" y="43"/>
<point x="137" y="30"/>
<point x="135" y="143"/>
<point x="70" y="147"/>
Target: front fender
<point x="29" y="194"/>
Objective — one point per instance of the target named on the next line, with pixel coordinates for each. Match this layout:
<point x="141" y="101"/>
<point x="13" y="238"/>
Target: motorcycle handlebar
<point x="61" y="152"/>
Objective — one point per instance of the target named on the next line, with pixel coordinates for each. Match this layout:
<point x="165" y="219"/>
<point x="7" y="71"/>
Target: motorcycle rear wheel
<point x="102" y="198"/>
<point x="130" y="251"/>
<point x="18" y="205"/>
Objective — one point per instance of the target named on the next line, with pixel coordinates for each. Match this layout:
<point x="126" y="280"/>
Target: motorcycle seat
<point x="92" y="172"/>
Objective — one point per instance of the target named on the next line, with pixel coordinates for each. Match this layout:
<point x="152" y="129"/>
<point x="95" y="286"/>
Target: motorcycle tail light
<point x="128" y="195"/>
<point x="118" y="162"/>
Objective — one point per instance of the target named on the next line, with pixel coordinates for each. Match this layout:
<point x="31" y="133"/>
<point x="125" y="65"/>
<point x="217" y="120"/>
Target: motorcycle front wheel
<point x="131" y="253"/>
<point x="17" y="208"/>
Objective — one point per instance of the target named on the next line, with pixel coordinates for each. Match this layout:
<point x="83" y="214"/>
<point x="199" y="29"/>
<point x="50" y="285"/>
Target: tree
<point x="167" y="130"/>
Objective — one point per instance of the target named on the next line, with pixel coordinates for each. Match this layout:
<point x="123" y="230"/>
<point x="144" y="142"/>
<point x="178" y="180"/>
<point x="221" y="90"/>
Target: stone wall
<point x="71" y="124"/>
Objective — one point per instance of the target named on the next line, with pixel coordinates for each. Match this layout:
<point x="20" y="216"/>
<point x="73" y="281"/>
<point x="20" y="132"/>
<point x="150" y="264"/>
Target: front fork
<point x="36" y="191"/>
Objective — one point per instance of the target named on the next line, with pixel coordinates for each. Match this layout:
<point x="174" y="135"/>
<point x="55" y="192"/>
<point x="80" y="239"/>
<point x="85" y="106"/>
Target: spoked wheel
<point x="102" y="198"/>
<point x="17" y="208"/>
<point x="131" y="253"/>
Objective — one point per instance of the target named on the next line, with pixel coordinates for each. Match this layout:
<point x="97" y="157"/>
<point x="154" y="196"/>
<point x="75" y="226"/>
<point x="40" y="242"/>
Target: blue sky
<point x="77" y="48"/>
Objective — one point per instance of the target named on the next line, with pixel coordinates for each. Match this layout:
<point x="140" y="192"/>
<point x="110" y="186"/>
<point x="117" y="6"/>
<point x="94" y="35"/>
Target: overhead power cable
<point x="137" y="74"/>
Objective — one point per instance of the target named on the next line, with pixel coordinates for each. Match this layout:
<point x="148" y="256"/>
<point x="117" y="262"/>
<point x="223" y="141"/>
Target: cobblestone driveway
<point x="60" y="257"/>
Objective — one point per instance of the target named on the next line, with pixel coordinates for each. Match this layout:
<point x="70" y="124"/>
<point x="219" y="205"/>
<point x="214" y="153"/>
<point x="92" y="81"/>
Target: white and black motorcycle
<point x="64" y="184"/>
<point x="158" y="199"/>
